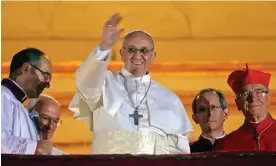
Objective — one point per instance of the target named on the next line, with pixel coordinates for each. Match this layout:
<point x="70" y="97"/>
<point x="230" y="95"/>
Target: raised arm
<point x="90" y="77"/>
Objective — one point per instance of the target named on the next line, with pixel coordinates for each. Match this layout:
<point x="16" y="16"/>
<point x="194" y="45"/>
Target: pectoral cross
<point x="136" y="117"/>
<point x="257" y="138"/>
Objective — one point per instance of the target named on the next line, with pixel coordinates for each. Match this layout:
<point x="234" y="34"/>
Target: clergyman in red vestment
<point x="258" y="131"/>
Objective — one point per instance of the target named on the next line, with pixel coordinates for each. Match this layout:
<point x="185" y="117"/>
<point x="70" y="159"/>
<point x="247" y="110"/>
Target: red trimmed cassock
<point x="250" y="136"/>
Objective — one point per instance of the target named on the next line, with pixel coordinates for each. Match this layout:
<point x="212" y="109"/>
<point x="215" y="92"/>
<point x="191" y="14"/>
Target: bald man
<point x="127" y="111"/>
<point x="49" y="116"/>
<point x="48" y="110"/>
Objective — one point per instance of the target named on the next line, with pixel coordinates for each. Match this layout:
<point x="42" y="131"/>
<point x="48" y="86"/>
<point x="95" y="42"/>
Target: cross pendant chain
<point x="135" y="114"/>
<point x="258" y="138"/>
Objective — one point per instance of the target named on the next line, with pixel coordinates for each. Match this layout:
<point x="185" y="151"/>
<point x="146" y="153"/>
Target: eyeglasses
<point x="143" y="51"/>
<point x="45" y="119"/>
<point x="47" y="76"/>
<point x="259" y="93"/>
<point x="206" y="109"/>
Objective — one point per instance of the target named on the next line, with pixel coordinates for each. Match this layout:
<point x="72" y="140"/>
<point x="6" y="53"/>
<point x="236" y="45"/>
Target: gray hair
<point x="222" y="99"/>
<point x="238" y="94"/>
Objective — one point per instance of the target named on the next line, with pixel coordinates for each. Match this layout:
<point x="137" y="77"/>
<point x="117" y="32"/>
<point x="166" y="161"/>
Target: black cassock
<point x="203" y="145"/>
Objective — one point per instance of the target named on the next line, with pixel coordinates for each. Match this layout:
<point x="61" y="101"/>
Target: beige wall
<point x="188" y="31"/>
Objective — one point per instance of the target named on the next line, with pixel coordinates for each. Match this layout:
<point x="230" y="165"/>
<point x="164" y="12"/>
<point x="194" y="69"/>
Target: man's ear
<point x="226" y="113"/>
<point x="195" y="119"/>
<point x="122" y="58"/>
<point x="153" y="56"/>
<point x="24" y="68"/>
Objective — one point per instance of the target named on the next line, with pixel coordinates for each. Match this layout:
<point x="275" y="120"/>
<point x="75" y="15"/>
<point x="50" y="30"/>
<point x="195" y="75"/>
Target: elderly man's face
<point x="209" y="114"/>
<point x="254" y="100"/>
<point x="49" y="117"/>
<point x="137" y="53"/>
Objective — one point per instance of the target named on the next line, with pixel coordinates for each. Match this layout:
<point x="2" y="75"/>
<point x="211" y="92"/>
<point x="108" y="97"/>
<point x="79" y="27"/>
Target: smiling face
<point x="137" y="53"/>
<point x="253" y="101"/>
<point x="36" y="77"/>
<point x="49" y="116"/>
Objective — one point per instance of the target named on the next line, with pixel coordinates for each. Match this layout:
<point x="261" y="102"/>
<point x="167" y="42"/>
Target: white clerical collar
<point x="259" y="121"/>
<point x="213" y="139"/>
<point x="128" y="75"/>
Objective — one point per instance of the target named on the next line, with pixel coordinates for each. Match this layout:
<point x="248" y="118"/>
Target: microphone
<point x="35" y="118"/>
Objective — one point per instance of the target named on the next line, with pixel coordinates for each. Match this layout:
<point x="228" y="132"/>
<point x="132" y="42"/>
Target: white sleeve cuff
<point x="102" y="55"/>
<point x="56" y="151"/>
<point x="31" y="147"/>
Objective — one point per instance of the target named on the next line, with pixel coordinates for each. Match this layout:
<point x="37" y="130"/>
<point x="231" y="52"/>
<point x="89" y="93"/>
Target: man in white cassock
<point x="30" y="74"/>
<point x="128" y="111"/>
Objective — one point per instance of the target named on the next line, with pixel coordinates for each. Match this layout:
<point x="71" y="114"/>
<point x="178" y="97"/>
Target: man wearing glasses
<point x="48" y="110"/>
<point x="210" y="110"/>
<point x="252" y="98"/>
<point x="48" y="113"/>
<point x="30" y="74"/>
<point x="128" y="111"/>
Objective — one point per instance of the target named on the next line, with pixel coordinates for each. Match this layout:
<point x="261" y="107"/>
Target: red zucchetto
<point x="240" y="78"/>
